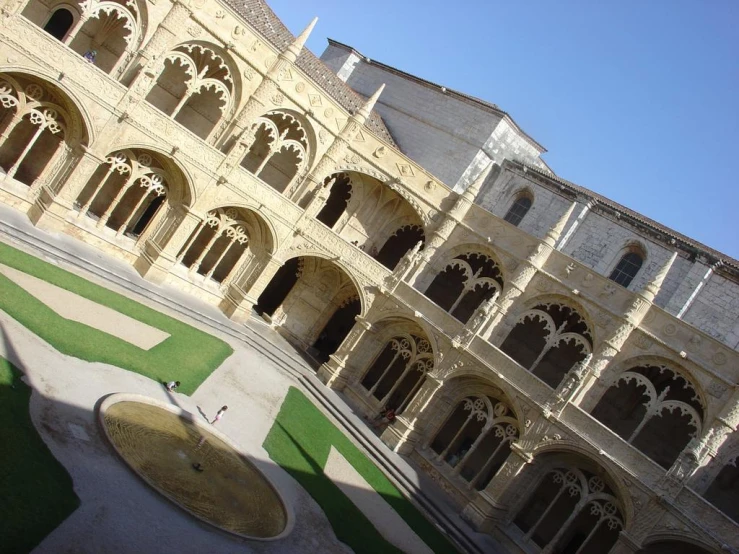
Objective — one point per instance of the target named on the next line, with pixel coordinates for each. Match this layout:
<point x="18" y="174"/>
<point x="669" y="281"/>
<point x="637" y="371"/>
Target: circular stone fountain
<point x="194" y="466"/>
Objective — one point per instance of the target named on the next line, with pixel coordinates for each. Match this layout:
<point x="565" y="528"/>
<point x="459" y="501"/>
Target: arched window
<point x="126" y="192"/>
<point x="572" y="510"/>
<point x="548" y="340"/>
<point x="59" y="23"/>
<point x="399" y="371"/>
<point x="465" y="283"/>
<point x="475" y="440"/>
<point x="627" y="268"/>
<point x="217" y="246"/>
<point x="195" y="88"/>
<point x="279" y="150"/>
<point x="398" y="244"/>
<point x="341" y="191"/>
<point x="654" y="408"/>
<point x="518" y="210"/>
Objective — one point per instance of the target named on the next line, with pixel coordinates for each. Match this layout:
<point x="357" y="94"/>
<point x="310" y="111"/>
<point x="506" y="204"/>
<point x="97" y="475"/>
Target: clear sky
<point x="636" y="100"/>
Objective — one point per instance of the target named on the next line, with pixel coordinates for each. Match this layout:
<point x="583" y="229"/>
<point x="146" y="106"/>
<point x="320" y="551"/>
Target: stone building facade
<point x="564" y="368"/>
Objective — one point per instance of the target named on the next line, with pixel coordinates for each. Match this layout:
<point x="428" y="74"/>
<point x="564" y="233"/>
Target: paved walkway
<point x="118" y="512"/>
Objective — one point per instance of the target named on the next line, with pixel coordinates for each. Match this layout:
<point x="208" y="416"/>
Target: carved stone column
<point x="148" y="59"/>
<point x="595" y="384"/>
<point x="335" y="372"/>
<point x="159" y="251"/>
<point x="56" y="207"/>
<point x="521" y="278"/>
<point x="491" y="506"/>
<point x="406" y="433"/>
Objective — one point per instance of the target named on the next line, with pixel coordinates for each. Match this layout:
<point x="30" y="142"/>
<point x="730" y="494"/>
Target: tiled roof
<point x="682" y="240"/>
<point x="264" y="20"/>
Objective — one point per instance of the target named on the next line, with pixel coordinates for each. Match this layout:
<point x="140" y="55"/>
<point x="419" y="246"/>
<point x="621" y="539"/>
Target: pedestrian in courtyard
<point x="387" y="418"/>
<point x="172" y="386"/>
<point x="219" y="415"/>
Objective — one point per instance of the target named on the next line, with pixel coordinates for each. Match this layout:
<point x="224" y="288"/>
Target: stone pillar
<point x="492" y="506"/>
<point x="524" y="273"/>
<point x="159" y="251"/>
<point x="406" y="433"/>
<point x="335" y="372"/>
<point x="164" y="37"/>
<point x="594" y="384"/>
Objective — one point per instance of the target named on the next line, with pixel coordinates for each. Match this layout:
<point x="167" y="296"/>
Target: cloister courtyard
<point x="78" y="327"/>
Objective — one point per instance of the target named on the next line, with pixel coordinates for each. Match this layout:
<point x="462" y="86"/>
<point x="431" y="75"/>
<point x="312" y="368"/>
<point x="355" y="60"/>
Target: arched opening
<point x="279" y="149"/>
<point x="398" y="244"/>
<point x="475" y="439"/>
<point x="59" y="23"/>
<point x="38" y="127"/>
<point x="724" y="491"/>
<point x="398" y="371"/>
<point x="465" y="283"/>
<point x="107" y="35"/>
<point x="223" y="243"/>
<point x="518" y="210"/>
<point x="195" y="88"/>
<point x="548" y="340"/>
<point x="313" y="302"/>
<point x="337" y="201"/>
<point x="279" y="287"/>
<point x="627" y="268"/>
<point x="572" y="509"/>
<point x="673" y="547"/>
<point x="126" y="192"/>
<point x="654" y="408"/>
<point x="336" y="329"/>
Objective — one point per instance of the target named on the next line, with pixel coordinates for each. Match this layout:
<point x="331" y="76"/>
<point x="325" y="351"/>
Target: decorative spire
<point x="554" y="233"/>
<point x="293" y="51"/>
<point x="474" y="189"/>
<point x="651" y="290"/>
<point x="364" y="112"/>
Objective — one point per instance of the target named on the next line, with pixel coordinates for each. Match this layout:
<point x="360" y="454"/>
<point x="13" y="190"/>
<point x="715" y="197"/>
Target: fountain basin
<point x="195" y="466"/>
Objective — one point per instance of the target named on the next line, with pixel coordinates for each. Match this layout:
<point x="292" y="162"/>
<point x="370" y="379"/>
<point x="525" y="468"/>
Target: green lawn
<point x="300" y="440"/>
<point x="188" y="355"/>
<point x="35" y="489"/>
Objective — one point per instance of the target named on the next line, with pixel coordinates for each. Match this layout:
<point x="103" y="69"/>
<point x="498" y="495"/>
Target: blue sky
<point x="634" y="100"/>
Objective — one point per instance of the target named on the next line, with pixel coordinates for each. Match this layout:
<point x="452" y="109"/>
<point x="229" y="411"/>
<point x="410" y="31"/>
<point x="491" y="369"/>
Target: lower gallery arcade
<point x="395" y="316"/>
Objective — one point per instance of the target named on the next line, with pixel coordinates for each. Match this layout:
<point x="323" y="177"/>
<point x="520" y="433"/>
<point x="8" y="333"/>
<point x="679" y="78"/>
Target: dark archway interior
<point x="673" y="547"/>
<point x="59" y="24"/>
<point x="279" y="287"/>
<point x="336" y="330"/>
<point x="724" y="491"/>
<point x="397" y="245"/>
<point x="145" y="218"/>
<point x="337" y="201"/>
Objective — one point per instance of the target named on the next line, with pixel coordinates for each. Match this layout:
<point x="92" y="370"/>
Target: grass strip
<point x="300" y="440"/>
<point x="36" y="490"/>
<point x="188" y="355"/>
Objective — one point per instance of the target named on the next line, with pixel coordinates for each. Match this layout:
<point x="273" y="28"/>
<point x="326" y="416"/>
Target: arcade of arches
<point x="142" y="204"/>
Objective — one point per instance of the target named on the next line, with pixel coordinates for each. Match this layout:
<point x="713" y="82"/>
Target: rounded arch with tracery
<point x="655" y="406"/>
<point x="279" y="148"/>
<point x="548" y="340"/>
<point x="39" y="126"/>
<point x="195" y="87"/>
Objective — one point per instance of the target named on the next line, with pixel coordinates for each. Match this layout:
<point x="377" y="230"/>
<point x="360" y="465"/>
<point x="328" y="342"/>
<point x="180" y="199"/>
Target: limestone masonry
<point x="565" y="368"/>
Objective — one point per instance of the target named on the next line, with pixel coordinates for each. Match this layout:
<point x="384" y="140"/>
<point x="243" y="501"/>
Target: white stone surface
<point x="76" y="308"/>
<point x="373" y="506"/>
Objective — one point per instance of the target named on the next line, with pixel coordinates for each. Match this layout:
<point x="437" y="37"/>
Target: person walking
<point x="219" y="415"/>
<point x="172" y="386"/>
